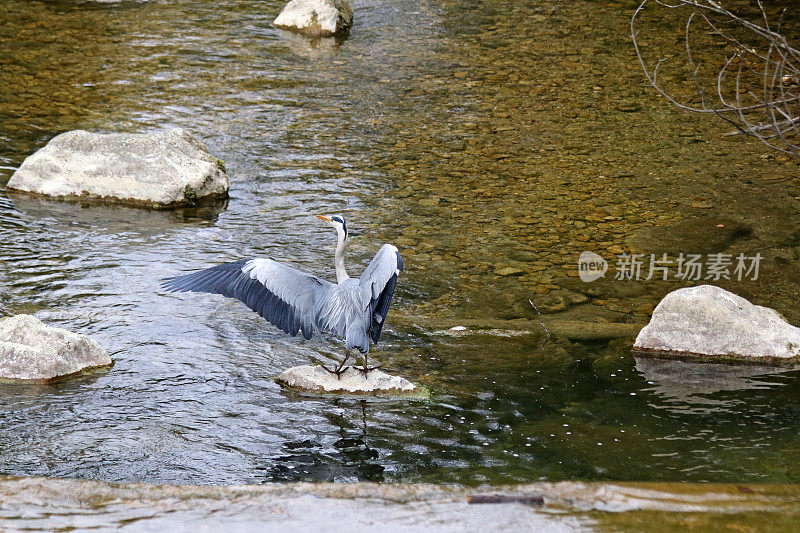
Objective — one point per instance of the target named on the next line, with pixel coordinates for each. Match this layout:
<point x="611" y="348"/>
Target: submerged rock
<point x="30" y="350"/>
<point x="321" y="18"/>
<point x="711" y="322"/>
<point x="508" y="271"/>
<point x="166" y="169"/>
<point x="559" y="300"/>
<point x="314" y="378"/>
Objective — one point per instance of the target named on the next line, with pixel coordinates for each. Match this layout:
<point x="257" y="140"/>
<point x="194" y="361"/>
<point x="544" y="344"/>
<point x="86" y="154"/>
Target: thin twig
<point x="541" y="321"/>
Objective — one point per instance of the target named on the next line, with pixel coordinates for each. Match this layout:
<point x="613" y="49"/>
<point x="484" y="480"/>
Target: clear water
<point x="477" y="136"/>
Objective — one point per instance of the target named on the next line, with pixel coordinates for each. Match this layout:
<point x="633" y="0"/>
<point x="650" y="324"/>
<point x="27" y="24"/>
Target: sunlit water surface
<point x="478" y="136"/>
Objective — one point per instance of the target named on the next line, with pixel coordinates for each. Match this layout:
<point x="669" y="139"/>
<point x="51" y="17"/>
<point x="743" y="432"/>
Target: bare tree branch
<point x="757" y="78"/>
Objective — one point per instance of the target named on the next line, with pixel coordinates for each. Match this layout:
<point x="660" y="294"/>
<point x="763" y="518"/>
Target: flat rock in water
<point x="321" y="18"/>
<point x="712" y="323"/>
<point x="509" y="271"/>
<point x="30" y="350"/>
<point x="314" y="378"/>
<point x="167" y="169"/>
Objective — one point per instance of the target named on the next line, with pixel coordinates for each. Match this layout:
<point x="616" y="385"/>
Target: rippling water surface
<point x="478" y="136"/>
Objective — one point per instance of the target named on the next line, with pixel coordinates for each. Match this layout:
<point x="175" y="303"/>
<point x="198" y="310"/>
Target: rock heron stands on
<point x="353" y="308"/>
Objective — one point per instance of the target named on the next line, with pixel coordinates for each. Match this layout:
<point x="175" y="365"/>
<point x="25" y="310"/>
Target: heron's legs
<point x="366" y="369"/>
<point x="340" y="368"/>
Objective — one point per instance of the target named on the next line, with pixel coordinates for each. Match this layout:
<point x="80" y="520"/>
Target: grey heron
<point x="353" y="308"/>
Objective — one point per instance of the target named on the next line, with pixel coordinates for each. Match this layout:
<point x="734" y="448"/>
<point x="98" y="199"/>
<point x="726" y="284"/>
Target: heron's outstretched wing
<point x="377" y="287"/>
<point x="286" y="297"/>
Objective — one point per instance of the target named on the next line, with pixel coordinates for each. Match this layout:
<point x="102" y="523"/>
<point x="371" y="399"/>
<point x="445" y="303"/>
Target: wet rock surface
<point x="318" y="18"/>
<point x="166" y="169"/>
<point x="314" y="378"/>
<point x="30" y="350"/>
<point x="710" y="321"/>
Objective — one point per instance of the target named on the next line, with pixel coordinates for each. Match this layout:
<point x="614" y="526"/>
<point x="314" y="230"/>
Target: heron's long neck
<point x="341" y="246"/>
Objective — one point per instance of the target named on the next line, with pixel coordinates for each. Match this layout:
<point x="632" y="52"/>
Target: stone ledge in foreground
<point x="315" y="379"/>
<point x="70" y="504"/>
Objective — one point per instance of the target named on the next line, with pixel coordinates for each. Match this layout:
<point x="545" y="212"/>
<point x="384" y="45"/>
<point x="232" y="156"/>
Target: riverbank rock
<point x="710" y="322"/>
<point x="166" y="169"/>
<point x="318" y="18"/>
<point x="30" y="350"/>
<point x="314" y="378"/>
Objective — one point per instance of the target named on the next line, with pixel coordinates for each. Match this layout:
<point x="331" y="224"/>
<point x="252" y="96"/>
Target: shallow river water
<point x="493" y="142"/>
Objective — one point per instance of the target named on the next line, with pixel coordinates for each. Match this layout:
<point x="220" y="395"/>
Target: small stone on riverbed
<point x="32" y="351"/>
<point x="314" y="378"/>
<point x="508" y="271"/>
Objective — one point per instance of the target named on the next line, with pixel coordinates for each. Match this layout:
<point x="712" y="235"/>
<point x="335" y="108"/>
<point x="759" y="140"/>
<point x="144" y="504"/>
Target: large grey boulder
<point x="30" y="350"/>
<point x="322" y="18"/>
<point x="711" y="322"/>
<point x="314" y="378"/>
<point x="166" y="169"/>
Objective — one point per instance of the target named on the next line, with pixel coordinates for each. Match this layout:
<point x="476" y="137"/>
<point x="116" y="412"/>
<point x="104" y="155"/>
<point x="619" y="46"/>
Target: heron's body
<point x="354" y="309"/>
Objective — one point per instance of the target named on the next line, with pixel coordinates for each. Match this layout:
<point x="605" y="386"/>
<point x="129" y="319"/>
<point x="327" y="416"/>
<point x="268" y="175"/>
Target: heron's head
<point x="337" y="222"/>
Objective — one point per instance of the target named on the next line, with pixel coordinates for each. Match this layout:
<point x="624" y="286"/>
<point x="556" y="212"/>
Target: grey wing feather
<point x="377" y="287"/>
<point x="288" y="298"/>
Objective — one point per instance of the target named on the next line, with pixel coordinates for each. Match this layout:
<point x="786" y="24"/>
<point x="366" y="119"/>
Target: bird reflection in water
<point x="349" y="459"/>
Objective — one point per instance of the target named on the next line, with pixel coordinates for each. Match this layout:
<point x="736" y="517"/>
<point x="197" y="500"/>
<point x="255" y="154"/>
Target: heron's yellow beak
<point x="326" y="219"/>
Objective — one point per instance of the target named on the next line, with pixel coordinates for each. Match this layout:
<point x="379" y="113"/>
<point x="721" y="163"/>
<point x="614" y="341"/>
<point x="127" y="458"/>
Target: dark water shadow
<point x="686" y="385"/>
<point x="57" y="387"/>
<point x="346" y="458"/>
<point x="112" y="218"/>
<point x="311" y="46"/>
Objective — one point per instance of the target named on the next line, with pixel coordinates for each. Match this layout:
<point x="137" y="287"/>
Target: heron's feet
<point x="338" y="371"/>
<point x="341" y="368"/>
<point x="366" y="369"/>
